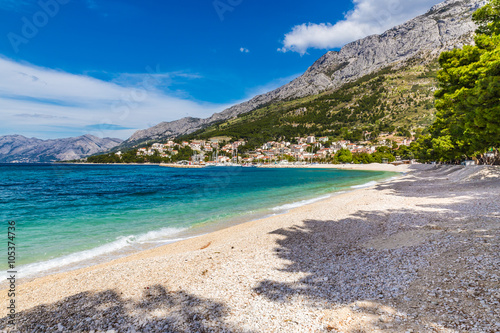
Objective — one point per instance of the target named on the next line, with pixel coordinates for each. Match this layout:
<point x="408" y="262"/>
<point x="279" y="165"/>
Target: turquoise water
<point x="68" y="213"/>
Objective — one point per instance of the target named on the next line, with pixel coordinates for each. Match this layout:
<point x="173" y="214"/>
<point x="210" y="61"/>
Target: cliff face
<point x="17" y="148"/>
<point x="443" y="27"/>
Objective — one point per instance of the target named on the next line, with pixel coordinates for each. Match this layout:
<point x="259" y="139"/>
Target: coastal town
<point x="221" y="150"/>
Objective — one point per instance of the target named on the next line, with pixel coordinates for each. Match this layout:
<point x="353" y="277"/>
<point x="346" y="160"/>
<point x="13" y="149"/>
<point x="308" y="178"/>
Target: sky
<point x="111" y="67"/>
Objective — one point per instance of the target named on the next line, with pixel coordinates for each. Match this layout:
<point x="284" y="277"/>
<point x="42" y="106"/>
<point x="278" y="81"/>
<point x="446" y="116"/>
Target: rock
<point x="17" y="148"/>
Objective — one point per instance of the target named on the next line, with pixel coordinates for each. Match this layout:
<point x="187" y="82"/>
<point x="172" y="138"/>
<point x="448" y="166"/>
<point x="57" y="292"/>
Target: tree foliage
<point x="467" y="103"/>
<point x="344" y="156"/>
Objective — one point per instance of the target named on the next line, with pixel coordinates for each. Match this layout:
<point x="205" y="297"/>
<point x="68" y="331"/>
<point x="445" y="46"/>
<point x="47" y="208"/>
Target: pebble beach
<point x="414" y="254"/>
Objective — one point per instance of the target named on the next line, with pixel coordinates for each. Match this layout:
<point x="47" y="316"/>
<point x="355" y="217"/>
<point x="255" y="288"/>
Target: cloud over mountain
<point x="367" y="18"/>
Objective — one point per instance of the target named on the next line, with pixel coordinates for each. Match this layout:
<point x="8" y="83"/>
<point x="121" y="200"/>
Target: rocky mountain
<point x="443" y="27"/>
<point x="20" y="149"/>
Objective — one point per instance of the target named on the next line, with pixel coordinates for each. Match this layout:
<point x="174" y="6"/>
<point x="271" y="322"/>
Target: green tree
<point x="184" y="154"/>
<point x="383" y="149"/>
<point x="363" y="158"/>
<point x="468" y="101"/>
<point x="379" y="157"/>
<point x="344" y="156"/>
<point x="405" y="153"/>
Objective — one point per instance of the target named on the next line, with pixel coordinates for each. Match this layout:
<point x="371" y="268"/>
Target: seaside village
<point x="222" y="151"/>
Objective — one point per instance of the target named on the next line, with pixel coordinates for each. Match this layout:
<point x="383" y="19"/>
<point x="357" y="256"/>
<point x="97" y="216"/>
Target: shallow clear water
<point x="67" y="213"/>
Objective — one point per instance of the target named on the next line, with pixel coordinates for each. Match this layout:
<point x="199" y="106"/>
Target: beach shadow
<point x="405" y="280"/>
<point x="340" y="269"/>
<point x="424" y="183"/>
<point x="159" y="310"/>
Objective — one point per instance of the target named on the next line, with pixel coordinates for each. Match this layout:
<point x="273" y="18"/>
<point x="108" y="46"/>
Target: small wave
<point x="156" y="234"/>
<point x="300" y="203"/>
<point x="120" y="243"/>
<point x="369" y="184"/>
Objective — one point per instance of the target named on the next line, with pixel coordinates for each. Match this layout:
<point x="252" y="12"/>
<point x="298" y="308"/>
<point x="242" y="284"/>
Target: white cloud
<point x="244" y="50"/>
<point x="367" y="18"/>
<point x="43" y="102"/>
<point x="154" y="79"/>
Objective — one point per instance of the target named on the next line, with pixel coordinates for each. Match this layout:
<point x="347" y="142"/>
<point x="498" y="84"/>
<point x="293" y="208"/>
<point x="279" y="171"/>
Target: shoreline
<point x="211" y="229"/>
<point x="264" y="272"/>
<point x="362" y="167"/>
<point x="197" y="230"/>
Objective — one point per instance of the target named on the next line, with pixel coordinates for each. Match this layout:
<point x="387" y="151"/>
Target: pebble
<point x="446" y="283"/>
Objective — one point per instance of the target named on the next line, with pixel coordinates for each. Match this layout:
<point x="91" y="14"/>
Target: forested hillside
<point x="393" y="99"/>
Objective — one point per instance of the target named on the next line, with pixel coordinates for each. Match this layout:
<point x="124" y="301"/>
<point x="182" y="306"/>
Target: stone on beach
<point x="416" y="254"/>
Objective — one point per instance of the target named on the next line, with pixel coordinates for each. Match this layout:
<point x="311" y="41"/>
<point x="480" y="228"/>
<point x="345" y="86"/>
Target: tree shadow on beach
<point x="398" y="279"/>
<point x="380" y="270"/>
<point x="159" y="310"/>
<point x="430" y="182"/>
<point x="332" y="255"/>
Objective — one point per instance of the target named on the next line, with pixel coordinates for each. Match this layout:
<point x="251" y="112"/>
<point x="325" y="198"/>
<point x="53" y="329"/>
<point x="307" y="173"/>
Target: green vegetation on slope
<point x="384" y="101"/>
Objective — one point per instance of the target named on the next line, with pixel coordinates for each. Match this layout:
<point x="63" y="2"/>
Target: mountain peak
<point x="18" y="148"/>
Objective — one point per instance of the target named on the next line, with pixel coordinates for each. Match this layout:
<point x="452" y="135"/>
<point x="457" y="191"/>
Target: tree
<point x="184" y="154"/>
<point x="363" y="158"/>
<point x="355" y="135"/>
<point x="488" y="19"/>
<point x="468" y="101"/>
<point x="379" y="157"/>
<point x="405" y="152"/>
<point x="384" y="149"/>
<point x="344" y="156"/>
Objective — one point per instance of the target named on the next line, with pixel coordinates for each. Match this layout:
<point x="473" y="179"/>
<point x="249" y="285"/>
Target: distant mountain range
<point x="444" y="27"/>
<point x="20" y="149"/>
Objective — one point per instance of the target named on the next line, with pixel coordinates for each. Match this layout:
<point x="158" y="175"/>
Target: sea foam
<point x="300" y="203"/>
<point x="157" y="236"/>
<point x="369" y="184"/>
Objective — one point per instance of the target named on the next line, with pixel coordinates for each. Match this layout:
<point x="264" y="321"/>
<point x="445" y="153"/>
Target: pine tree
<point x="468" y="102"/>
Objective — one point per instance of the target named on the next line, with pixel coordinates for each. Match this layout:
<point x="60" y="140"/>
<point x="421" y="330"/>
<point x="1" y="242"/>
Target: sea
<point x="69" y="216"/>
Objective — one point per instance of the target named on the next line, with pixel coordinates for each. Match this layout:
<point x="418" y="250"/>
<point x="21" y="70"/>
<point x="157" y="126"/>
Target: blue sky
<point x="109" y="67"/>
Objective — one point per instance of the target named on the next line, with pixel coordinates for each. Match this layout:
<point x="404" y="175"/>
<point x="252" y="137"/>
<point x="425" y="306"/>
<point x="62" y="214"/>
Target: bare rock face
<point x="444" y="27"/>
<point x="167" y="129"/>
<point x="20" y="149"/>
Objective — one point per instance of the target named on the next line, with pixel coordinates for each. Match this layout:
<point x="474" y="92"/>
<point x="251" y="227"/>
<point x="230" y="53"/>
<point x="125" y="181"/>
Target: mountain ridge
<point x="445" y="26"/>
<point x="20" y="149"/>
